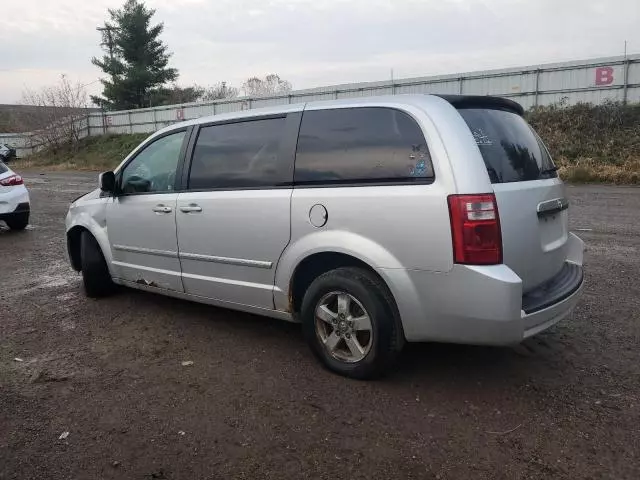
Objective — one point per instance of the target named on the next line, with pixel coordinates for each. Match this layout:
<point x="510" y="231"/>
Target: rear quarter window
<point x="361" y="145"/>
<point x="511" y="150"/>
<point x="3" y="168"/>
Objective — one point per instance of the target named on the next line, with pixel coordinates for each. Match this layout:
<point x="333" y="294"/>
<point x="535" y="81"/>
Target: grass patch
<point x="98" y="153"/>
<point x="592" y="143"/>
<point x="590" y="171"/>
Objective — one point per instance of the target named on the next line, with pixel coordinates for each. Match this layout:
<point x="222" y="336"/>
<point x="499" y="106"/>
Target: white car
<point x="14" y="199"/>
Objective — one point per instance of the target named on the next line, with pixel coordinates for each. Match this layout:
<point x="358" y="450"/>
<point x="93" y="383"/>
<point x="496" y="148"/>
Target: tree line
<point x="137" y="71"/>
<point x="137" y="74"/>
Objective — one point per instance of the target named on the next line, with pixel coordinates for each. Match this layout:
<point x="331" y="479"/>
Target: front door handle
<point x="162" y="209"/>
<point x="191" y="208"/>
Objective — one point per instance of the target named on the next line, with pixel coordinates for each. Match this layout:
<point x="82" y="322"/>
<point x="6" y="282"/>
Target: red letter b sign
<point x="604" y="76"/>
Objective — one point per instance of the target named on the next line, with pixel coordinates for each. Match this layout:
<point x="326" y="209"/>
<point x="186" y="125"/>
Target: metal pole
<point x="155" y="121"/>
<point x="625" y="85"/>
<point x="393" y="85"/>
<point x="460" y="80"/>
<point x="535" y="101"/>
<point x="626" y="82"/>
<point x="130" y="124"/>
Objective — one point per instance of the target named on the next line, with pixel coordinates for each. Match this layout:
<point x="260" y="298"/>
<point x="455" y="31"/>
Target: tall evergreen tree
<point x="135" y="60"/>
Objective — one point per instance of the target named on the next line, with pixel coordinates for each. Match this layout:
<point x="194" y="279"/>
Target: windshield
<point x="511" y="150"/>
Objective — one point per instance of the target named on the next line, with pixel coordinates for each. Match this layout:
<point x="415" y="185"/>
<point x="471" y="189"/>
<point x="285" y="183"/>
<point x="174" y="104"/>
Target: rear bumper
<point x="15" y="200"/>
<point x="21" y="209"/>
<point x="481" y="305"/>
<point x="561" y="286"/>
<point x="539" y="321"/>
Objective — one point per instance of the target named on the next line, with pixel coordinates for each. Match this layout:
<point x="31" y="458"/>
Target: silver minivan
<point x="372" y="221"/>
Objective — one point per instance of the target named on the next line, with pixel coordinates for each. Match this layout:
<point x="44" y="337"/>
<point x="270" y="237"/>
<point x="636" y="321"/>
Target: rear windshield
<point x="511" y="150"/>
<point x="3" y="168"/>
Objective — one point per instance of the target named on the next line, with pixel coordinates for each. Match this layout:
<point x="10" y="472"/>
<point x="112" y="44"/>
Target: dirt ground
<point x="255" y="404"/>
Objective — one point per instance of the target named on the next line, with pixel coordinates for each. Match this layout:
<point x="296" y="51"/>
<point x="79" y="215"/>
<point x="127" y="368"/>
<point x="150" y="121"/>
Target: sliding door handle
<point x="162" y="209"/>
<point x="191" y="208"/>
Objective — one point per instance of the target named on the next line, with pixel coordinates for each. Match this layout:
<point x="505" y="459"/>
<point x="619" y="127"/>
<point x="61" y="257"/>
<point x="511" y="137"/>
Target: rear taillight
<point x="12" y="181"/>
<point x="475" y="229"/>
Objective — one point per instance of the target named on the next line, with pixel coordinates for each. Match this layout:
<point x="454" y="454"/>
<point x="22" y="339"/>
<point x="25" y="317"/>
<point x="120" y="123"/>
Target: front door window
<point x="154" y="169"/>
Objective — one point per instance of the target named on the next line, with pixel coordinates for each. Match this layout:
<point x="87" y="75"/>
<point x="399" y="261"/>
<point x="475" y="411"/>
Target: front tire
<point x="95" y="273"/>
<point x="18" y="221"/>
<point x="350" y="324"/>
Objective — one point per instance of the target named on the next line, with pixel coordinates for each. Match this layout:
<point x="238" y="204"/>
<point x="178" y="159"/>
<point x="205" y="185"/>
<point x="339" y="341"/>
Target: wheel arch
<point x="314" y="265"/>
<point x="85" y="223"/>
<point x="74" y="236"/>
<point x="333" y="246"/>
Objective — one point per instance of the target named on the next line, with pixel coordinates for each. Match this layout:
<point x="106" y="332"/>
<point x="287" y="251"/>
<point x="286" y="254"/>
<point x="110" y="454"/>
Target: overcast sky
<point x="316" y="42"/>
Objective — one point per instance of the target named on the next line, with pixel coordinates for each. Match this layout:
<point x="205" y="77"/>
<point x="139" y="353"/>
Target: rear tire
<point x="95" y="273"/>
<point x="350" y="323"/>
<point x="18" y="221"/>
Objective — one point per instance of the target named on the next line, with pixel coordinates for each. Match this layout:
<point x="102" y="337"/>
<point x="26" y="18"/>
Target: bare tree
<point x="219" y="91"/>
<point x="270" y="85"/>
<point x="58" y="114"/>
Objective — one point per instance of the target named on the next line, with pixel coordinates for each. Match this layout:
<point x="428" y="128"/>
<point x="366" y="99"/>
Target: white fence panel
<point x="633" y="94"/>
<point x="142" y="128"/>
<point x="228" y="107"/>
<point x="96" y="121"/>
<point x="197" y="111"/>
<point x="501" y="85"/>
<point x="117" y="119"/>
<point x="314" y="97"/>
<point x="168" y="114"/>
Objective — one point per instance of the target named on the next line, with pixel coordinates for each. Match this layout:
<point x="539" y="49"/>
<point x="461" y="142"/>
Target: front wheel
<point x="349" y="322"/>
<point x="95" y="273"/>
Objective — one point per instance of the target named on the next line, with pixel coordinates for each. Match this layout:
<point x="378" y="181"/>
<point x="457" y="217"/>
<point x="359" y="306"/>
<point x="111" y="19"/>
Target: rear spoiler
<point x="480" y="101"/>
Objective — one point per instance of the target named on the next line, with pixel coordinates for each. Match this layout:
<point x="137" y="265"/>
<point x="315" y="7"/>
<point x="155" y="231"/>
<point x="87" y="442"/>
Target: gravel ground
<point x="255" y="404"/>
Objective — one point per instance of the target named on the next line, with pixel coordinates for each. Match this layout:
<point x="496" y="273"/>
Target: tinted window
<point x="3" y="168"/>
<point x="367" y="144"/>
<point x="154" y="168"/>
<point x="240" y="155"/>
<point x="511" y="150"/>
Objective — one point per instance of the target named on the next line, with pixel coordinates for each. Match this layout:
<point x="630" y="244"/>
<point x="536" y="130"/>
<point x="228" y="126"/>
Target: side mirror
<point x="107" y="181"/>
